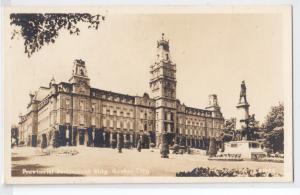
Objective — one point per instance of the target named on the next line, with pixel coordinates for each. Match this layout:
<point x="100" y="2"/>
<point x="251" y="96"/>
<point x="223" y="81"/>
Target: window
<point x="68" y="103"/>
<point x="171" y="127"/>
<point x="81" y="104"/>
<point x="81" y="119"/>
<point x="104" y="123"/>
<point x="141" y="114"/>
<point x="93" y="120"/>
<point x="93" y="107"/>
<point x="68" y="118"/>
<point x="131" y="113"/>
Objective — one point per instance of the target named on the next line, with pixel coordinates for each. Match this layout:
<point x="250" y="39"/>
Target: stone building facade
<point x="73" y="113"/>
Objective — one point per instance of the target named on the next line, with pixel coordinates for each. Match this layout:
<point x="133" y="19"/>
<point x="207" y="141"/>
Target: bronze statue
<point x="243" y="92"/>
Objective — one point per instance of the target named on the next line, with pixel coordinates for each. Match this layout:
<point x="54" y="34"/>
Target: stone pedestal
<point x="242" y="115"/>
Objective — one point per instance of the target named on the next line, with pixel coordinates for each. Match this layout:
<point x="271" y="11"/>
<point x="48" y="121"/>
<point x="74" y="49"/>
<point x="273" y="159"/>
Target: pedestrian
<point x="139" y="145"/>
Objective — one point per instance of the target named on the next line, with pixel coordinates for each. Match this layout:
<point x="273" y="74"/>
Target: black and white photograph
<point x="148" y="94"/>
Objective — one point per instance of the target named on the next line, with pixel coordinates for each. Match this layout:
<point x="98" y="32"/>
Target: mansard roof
<point x="41" y="93"/>
<point x="197" y="111"/>
<point x="103" y="93"/>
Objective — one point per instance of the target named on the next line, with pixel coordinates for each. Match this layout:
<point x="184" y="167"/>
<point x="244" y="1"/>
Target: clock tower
<point x="79" y="79"/>
<point x="163" y="89"/>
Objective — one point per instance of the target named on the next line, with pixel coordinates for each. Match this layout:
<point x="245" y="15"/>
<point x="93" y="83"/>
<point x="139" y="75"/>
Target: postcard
<point x="148" y="94"/>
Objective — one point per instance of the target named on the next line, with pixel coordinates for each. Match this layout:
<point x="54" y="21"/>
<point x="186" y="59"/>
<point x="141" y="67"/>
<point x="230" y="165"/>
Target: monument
<point x="243" y="108"/>
<point x="243" y="118"/>
<point x="243" y="146"/>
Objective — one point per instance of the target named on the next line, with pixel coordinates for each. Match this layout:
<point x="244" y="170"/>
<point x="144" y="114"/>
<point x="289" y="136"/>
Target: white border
<point x="179" y="189"/>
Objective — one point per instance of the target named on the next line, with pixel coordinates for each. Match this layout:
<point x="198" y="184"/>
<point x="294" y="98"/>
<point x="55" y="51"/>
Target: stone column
<point x="74" y="136"/>
<point x="85" y="137"/>
<point x="131" y="140"/>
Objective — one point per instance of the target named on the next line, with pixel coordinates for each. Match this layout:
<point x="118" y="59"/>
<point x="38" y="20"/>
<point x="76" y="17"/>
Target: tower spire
<point x="163" y="49"/>
<point x="163" y="88"/>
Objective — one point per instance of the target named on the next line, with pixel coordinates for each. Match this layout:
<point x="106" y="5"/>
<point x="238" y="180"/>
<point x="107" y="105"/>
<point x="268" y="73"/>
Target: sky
<point x="213" y="54"/>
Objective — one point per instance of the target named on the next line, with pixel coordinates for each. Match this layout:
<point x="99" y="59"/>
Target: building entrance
<point x="81" y="136"/>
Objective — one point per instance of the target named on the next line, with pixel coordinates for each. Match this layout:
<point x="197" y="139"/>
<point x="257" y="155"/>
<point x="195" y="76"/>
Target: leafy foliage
<point x="275" y="118"/>
<point x="274" y="131"/>
<point x="229" y="129"/>
<point x="40" y="29"/>
<point x="213" y="150"/>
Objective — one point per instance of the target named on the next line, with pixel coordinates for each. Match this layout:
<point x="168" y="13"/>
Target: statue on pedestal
<point x="243" y="93"/>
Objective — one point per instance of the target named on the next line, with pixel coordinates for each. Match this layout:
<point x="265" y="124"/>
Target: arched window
<point x="81" y="104"/>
